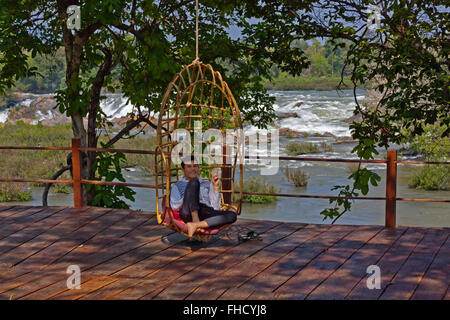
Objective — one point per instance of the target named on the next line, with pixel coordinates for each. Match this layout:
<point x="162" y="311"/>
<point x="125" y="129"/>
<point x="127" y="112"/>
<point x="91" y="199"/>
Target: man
<point x="197" y="200"/>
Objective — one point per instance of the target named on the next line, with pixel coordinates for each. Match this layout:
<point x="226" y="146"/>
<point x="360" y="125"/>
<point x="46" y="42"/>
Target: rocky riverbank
<point x="43" y="109"/>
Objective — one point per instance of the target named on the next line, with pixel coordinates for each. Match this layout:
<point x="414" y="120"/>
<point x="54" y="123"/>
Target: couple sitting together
<point x="198" y="201"/>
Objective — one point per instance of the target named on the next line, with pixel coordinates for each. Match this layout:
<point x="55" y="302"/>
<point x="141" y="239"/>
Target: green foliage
<point x="294" y="148"/>
<point x="323" y="72"/>
<point x="431" y="177"/>
<point x="432" y="143"/>
<point x="255" y="184"/>
<point x="61" y="188"/>
<point x="50" y="73"/>
<point x="14" y="191"/>
<point x="296" y="176"/>
<point x="434" y="147"/>
<point x="107" y="169"/>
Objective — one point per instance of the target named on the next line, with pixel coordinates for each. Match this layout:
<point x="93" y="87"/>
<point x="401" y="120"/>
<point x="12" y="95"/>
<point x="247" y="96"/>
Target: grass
<point x="33" y="164"/>
<point x="295" y="148"/>
<point x="30" y="164"/>
<point x="143" y="161"/>
<point x="326" y="147"/>
<point x="296" y="176"/>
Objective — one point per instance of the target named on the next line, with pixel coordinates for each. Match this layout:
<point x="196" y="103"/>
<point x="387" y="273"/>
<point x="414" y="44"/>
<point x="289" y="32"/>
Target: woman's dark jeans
<point x="191" y="202"/>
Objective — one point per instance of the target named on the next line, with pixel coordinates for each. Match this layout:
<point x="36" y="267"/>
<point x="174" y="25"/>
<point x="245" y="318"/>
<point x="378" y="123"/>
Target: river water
<point x="320" y="112"/>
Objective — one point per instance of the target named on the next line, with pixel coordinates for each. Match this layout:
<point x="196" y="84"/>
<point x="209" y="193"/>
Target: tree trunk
<point x="73" y="48"/>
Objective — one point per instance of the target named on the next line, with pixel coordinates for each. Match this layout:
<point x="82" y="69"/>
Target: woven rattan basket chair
<point x="198" y="97"/>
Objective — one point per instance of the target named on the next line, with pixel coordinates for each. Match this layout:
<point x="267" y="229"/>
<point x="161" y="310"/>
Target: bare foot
<point x="191" y="229"/>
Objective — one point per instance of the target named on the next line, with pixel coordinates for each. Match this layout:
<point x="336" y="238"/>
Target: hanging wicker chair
<point x="198" y="93"/>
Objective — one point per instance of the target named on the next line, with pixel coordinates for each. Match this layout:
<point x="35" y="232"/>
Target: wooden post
<point x="226" y="173"/>
<point x="76" y="172"/>
<point x="391" y="189"/>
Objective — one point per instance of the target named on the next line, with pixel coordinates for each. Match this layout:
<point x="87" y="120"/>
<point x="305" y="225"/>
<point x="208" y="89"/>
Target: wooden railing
<point x="391" y="177"/>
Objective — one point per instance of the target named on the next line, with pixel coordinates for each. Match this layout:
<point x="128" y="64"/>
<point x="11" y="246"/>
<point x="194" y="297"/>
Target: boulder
<point x="345" y="139"/>
<point x="43" y="103"/>
<point x="325" y="134"/>
<point x="20" y="96"/>
<point x="292" y="133"/>
<point x="287" y="115"/>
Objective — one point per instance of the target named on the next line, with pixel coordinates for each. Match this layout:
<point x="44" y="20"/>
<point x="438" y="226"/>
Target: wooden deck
<point x="125" y="254"/>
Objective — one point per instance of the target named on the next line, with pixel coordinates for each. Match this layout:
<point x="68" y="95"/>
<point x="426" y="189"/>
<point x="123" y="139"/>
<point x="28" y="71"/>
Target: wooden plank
<point x="113" y="266"/>
<point x="389" y="264"/>
<point x="111" y="289"/>
<point x="342" y="281"/>
<point x="435" y="282"/>
<point x="56" y="284"/>
<point x="30" y="214"/>
<point x="402" y="286"/>
<point x="273" y="276"/>
<point x="295" y="261"/>
<point x="113" y="233"/>
<point x="26" y="215"/>
<point x="92" y="285"/>
<point x="183" y="286"/>
<point x="33" y="230"/>
<point x="111" y="218"/>
<point x="10" y="226"/>
<point x="320" y="268"/>
<point x="199" y="280"/>
<point x="4" y="211"/>
<point x="30" y="247"/>
<point x="71" y="240"/>
<point x="150" y="266"/>
<point x="36" y="274"/>
<point x="250" y="267"/>
<point x="11" y="210"/>
<point x="131" y="274"/>
<point x="126" y="255"/>
<point x="77" y="219"/>
<point x="159" y="279"/>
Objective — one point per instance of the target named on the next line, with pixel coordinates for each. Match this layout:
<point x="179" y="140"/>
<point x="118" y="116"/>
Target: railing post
<point x="391" y="189"/>
<point x="76" y="172"/>
<point x="226" y="177"/>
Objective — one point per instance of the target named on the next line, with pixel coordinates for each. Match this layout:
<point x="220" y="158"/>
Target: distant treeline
<point x="323" y="73"/>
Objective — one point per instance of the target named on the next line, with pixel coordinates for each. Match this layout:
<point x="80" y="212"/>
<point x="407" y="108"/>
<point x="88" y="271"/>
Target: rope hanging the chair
<point x="198" y="93"/>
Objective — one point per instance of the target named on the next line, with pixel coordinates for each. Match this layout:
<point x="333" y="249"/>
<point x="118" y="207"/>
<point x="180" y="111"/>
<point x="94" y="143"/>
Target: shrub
<point x="61" y="188"/>
<point x="289" y="135"/>
<point x="431" y="177"/>
<point x="295" y="148"/>
<point x="14" y="191"/>
<point x="435" y="146"/>
<point x="254" y="184"/>
<point x="296" y="176"/>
